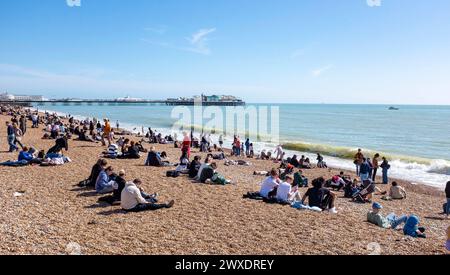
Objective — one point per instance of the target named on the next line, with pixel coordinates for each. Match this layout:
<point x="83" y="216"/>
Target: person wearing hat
<point x="287" y="192"/>
<point x="391" y="221"/>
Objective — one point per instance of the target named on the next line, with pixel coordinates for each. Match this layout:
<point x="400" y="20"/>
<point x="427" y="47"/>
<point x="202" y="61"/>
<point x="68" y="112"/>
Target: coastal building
<point x="9" y="97"/>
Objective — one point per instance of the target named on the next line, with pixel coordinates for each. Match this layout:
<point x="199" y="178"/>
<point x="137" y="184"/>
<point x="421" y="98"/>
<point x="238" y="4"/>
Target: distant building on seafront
<point x="10" y="97"/>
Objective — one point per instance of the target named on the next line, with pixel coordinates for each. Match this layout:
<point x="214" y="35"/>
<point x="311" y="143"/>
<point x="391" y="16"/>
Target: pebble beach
<point x="44" y="212"/>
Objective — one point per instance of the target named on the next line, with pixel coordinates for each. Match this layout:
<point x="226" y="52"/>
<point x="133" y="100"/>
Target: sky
<point x="270" y="51"/>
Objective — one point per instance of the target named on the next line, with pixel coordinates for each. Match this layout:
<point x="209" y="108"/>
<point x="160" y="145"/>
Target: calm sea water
<point x="415" y="138"/>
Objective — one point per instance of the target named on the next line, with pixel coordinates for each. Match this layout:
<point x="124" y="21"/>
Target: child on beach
<point x="412" y="228"/>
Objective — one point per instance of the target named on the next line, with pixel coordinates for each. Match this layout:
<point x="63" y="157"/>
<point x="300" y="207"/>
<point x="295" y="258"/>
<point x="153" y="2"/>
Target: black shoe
<point x="170" y="204"/>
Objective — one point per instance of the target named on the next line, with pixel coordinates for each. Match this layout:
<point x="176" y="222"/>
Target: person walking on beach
<point x="23" y="124"/>
<point x="18" y="136"/>
<point x="359" y="157"/>
<point x="11" y="137"/>
<point x="106" y="132"/>
<point x="375" y="166"/>
<point x="117" y="127"/>
<point x="221" y="141"/>
<point x="385" y="166"/>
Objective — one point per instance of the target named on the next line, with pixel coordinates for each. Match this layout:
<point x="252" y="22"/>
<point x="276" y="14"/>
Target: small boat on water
<point x="393" y="108"/>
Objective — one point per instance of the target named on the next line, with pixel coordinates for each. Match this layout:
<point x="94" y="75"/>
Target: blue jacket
<point x="25" y="156"/>
<point x="365" y="168"/>
<point x="411" y="226"/>
<point x="102" y="181"/>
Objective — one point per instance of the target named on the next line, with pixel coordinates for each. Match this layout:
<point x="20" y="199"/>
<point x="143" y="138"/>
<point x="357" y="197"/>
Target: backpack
<point x="172" y="174"/>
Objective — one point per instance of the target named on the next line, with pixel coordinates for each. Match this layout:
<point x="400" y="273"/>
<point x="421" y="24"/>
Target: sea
<point x="416" y="139"/>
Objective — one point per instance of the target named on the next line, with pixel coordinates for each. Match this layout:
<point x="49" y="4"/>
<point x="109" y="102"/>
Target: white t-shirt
<point x="267" y="185"/>
<point x="284" y="191"/>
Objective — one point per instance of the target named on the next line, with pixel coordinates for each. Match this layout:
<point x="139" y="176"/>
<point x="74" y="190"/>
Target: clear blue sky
<point x="313" y="51"/>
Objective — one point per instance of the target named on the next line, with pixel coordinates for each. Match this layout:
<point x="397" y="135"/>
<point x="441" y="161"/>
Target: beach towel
<point x="298" y="205"/>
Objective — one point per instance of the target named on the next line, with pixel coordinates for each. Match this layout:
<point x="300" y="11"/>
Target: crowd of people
<point x="283" y="185"/>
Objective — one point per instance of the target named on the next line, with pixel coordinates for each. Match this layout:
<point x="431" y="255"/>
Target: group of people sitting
<point x="130" y="194"/>
<point x="276" y="190"/>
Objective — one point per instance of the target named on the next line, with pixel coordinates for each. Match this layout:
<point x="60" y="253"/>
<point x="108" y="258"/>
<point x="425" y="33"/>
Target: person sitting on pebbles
<point x="210" y="175"/>
<point x="287" y="191"/>
<point x="320" y="197"/>
<point x="412" y="228"/>
<point x="133" y="201"/>
<point x="391" y="221"/>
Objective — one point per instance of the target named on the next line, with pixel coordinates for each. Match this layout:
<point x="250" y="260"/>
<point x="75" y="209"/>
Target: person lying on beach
<point x="219" y="156"/>
<point x="105" y="181"/>
<point x="300" y="180"/>
<point x="133" y="201"/>
<point x="321" y="197"/>
<point x="230" y="162"/>
<point x="28" y="155"/>
<point x="95" y="171"/>
<point x="391" y="221"/>
<point x="194" y="166"/>
<point x="412" y="228"/>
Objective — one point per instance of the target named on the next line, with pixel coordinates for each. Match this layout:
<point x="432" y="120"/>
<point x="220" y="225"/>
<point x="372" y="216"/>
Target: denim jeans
<point x="396" y="221"/>
<point x="11" y="140"/>
<point x="385" y="176"/>
<point x="364" y="176"/>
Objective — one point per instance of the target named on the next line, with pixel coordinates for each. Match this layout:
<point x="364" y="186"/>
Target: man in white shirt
<point x="132" y="200"/>
<point x="269" y="184"/>
<point x="286" y="192"/>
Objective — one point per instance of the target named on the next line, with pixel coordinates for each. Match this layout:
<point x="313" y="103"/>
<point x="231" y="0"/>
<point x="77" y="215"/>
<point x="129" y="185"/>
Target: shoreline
<point x="335" y="161"/>
<point x="206" y="219"/>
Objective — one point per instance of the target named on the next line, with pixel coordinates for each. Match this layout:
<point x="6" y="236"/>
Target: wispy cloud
<point x="159" y="29"/>
<point x="199" y="41"/>
<point x="373" y="3"/>
<point x="318" y="72"/>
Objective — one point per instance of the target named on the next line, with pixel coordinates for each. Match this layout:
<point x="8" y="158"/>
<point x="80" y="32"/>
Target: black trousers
<point x="147" y="206"/>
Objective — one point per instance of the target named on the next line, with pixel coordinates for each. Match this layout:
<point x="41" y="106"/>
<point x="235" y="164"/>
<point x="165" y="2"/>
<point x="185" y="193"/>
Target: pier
<point x="30" y="103"/>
